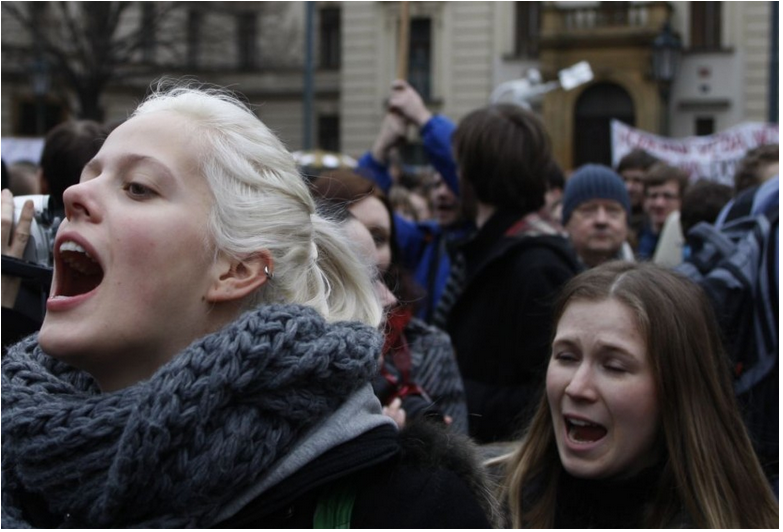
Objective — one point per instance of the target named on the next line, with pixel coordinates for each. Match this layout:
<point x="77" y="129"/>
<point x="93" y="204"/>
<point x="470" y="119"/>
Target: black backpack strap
<point x="743" y="204"/>
<point x="709" y="245"/>
<point x="432" y="276"/>
<point x="772" y="256"/>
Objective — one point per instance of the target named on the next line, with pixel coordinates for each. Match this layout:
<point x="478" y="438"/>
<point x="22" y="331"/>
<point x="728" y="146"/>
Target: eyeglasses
<point x="668" y="196"/>
<point x="590" y="210"/>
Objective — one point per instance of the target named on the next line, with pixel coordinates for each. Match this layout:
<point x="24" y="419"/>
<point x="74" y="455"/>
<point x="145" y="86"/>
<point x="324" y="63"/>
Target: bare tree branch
<point x="89" y="44"/>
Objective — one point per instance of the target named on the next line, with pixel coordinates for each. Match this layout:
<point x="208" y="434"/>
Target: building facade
<point x="458" y="53"/>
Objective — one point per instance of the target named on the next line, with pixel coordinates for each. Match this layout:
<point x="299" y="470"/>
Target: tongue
<point x="587" y="434"/>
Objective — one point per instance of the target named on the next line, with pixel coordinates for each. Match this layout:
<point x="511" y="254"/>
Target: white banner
<point x="15" y="149"/>
<point x="713" y="157"/>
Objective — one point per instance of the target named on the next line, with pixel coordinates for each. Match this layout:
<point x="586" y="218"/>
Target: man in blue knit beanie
<point x="596" y="209"/>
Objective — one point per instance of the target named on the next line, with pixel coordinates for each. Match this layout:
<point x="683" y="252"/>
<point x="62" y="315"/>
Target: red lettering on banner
<point x="693" y="168"/>
<point x="676" y="147"/>
<point x="646" y="143"/>
<point x="731" y="143"/>
<point x="714" y="157"/>
<point x="764" y="136"/>
<point x="706" y="148"/>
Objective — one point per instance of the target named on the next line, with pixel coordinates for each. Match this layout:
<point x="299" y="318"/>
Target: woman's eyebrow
<point x="619" y="351"/>
<point x="564" y="342"/>
<point x="130" y="160"/>
<point x="92" y="165"/>
<point x="134" y="159"/>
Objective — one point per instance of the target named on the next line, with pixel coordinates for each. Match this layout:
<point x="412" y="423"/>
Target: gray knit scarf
<point x="172" y="450"/>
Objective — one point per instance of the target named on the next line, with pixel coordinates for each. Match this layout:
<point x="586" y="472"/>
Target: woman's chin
<point x="56" y="342"/>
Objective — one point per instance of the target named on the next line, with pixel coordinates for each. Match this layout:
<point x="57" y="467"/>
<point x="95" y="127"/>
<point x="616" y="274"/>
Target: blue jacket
<point x="423" y="244"/>
<point x="424" y="249"/>
<point x="648" y="241"/>
<point x="767" y="198"/>
<point x="756" y="200"/>
<point x="436" y="137"/>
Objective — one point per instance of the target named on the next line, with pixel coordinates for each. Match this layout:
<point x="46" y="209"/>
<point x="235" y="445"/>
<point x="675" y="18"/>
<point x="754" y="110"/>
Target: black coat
<point x="501" y="324"/>
<point x="422" y="478"/>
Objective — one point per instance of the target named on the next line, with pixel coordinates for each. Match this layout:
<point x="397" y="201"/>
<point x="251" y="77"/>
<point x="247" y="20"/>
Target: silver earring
<point x="266" y="271"/>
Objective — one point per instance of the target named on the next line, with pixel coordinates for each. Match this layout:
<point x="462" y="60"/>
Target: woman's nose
<point x="81" y="201"/>
<point x="582" y="385"/>
<point x="386" y="296"/>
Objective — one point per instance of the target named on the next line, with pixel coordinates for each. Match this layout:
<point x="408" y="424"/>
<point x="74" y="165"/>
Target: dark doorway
<point x="595" y="109"/>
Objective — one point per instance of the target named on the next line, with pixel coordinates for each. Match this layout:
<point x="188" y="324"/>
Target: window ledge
<point x="710" y="51"/>
<point x="512" y="56"/>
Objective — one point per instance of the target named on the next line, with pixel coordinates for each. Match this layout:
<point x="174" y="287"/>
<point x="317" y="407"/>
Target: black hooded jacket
<point x="501" y="324"/>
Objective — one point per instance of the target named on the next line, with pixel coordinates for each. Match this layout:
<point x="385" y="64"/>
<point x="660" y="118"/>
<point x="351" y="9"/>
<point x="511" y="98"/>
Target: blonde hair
<point x="263" y="204"/>
<point x="710" y="470"/>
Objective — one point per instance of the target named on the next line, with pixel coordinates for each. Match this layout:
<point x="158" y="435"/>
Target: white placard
<point x="575" y="75"/>
<point x="15" y="149"/>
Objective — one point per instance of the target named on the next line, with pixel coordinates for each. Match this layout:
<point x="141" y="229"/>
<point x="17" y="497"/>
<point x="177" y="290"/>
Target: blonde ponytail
<point x="347" y="278"/>
<point x="263" y="204"/>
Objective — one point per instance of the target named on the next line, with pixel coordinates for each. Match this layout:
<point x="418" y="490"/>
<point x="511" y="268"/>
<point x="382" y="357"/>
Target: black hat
<point x="594" y="181"/>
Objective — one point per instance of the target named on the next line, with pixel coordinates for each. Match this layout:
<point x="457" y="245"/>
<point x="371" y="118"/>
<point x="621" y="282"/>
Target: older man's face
<point x="598" y="229"/>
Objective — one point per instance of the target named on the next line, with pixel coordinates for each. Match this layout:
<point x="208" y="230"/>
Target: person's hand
<point x="396" y="412"/>
<point x="405" y="100"/>
<point x="14" y="241"/>
<point x="15" y="238"/>
<point x="391" y="133"/>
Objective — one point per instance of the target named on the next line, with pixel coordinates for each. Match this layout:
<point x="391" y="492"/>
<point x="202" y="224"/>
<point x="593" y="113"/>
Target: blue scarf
<point x="171" y="451"/>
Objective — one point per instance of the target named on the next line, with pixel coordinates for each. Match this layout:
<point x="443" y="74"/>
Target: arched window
<point x="594" y="110"/>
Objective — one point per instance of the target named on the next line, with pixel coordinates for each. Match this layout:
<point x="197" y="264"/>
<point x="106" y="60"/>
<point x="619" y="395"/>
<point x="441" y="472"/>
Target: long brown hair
<point x="710" y="472"/>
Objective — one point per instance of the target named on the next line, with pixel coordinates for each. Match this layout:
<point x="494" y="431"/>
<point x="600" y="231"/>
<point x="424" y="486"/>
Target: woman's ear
<point x="236" y="279"/>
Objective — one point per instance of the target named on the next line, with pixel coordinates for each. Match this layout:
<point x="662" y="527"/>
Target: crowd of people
<point x="490" y="342"/>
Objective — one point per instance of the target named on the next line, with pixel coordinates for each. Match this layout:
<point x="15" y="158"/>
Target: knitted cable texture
<point x="170" y="451"/>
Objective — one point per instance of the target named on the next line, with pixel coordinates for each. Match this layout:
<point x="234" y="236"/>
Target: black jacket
<point x="423" y="477"/>
<point x="501" y="324"/>
<point x="17" y="325"/>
